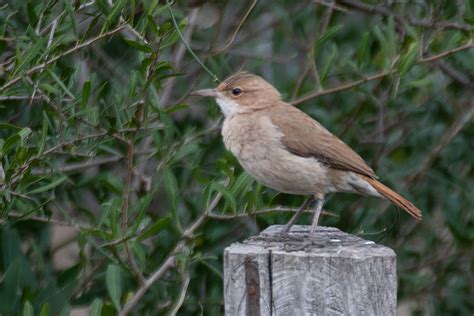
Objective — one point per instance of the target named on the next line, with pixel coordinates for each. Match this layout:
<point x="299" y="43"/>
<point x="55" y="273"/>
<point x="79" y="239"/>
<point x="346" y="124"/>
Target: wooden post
<point x="334" y="274"/>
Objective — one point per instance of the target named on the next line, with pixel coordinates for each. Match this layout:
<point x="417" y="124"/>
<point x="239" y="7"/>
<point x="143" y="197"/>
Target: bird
<point x="287" y="150"/>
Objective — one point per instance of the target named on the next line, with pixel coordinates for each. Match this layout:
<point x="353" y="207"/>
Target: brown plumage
<point x="287" y="150"/>
<point x="305" y="137"/>
<point x="395" y="198"/>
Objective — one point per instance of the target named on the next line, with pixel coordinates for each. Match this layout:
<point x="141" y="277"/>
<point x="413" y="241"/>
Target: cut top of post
<point x="334" y="273"/>
<point x="327" y="241"/>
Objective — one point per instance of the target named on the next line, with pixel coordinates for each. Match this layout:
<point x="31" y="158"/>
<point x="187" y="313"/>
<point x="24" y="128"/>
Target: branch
<point x="18" y="97"/>
<point x="444" y="141"/>
<point x="182" y="294"/>
<point x="468" y="45"/>
<point x="278" y="209"/>
<point x="341" y="87"/>
<point x="384" y="11"/>
<point x="237" y="29"/>
<point x="56" y="58"/>
<point x="380" y="75"/>
<point x="170" y="259"/>
<point x="77" y="166"/>
<point x="26" y="217"/>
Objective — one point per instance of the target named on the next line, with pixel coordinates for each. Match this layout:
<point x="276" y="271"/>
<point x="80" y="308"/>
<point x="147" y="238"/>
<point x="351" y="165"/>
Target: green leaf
<point x="116" y="10"/>
<point x="184" y="151"/>
<point x="171" y="185"/>
<point x="242" y="183"/>
<point x="177" y="108"/>
<point x="48" y="186"/>
<point x="103" y="6"/>
<point x="28" y="309"/>
<point x="155" y="228"/>
<point x="9" y="144"/>
<point x="61" y="84"/>
<point x="86" y="92"/>
<point x="172" y="189"/>
<point x="140" y="46"/>
<point x="44" y="310"/>
<point x="31" y="13"/>
<point x="229" y="198"/>
<point x="328" y="62"/>
<point x="72" y="16"/>
<point x="10" y="286"/>
<point x="363" y="50"/>
<point x="172" y="38"/>
<point x="152" y="25"/>
<point x="155" y="9"/>
<point x="408" y="60"/>
<point x="24" y="133"/>
<point x="331" y="32"/>
<point x="10" y="126"/>
<point x="96" y="307"/>
<point x="114" y="284"/>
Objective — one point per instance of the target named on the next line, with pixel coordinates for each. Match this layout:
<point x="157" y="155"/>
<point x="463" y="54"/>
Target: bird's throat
<point x="228" y="107"/>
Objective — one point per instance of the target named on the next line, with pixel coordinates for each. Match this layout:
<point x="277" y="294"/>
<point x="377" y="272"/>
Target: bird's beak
<point x="206" y="93"/>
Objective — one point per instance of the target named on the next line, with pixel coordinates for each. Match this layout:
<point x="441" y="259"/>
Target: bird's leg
<point x="317" y="212"/>
<point x="303" y="207"/>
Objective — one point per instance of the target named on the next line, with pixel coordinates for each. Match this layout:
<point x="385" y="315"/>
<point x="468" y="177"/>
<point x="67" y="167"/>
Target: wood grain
<point x="334" y="274"/>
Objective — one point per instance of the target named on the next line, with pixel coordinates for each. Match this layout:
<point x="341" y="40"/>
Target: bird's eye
<point x="236" y="91"/>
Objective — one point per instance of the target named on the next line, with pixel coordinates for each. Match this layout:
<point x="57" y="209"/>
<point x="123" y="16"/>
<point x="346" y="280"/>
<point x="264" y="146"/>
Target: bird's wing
<point x="303" y="136"/>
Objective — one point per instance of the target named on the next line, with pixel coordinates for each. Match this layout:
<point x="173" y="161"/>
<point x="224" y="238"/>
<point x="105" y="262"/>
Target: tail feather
<point x="395" y="198"/>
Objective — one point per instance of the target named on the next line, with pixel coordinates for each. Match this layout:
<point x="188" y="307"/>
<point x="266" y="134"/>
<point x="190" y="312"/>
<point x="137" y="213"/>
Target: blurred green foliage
<point x="101" y="150"/>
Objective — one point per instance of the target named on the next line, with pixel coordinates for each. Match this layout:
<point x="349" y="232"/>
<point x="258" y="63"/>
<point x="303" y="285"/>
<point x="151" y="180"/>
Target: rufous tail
<point x="395" y="198"/>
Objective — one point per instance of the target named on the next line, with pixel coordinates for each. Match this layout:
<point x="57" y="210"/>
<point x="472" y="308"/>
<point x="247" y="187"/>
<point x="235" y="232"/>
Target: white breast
<point x="228" y="107"/>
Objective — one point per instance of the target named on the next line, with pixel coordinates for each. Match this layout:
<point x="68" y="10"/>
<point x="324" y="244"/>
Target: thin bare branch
<point x="444" y="141"/>
<point x="18" y="97"/>
<point x="237" y="29"/>
<point x="341" y="87"/>
<point x="380" y="75"/>
<point x="170" y="260"/>
<point x="384" y="11"/>
<point x="182" y="293"/>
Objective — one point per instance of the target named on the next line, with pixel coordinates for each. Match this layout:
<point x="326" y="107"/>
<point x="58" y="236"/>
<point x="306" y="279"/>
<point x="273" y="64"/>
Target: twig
<point x="384" y="11"/>
<point x="327" y="17"/>
<point x="167" y="264"/>
<point x="178" y="56"/>
<point x="278" y="209"/>
<point x="380" y="75"/>
<point x="468" y="45"/>
<point x="445" y="139"/>
<point x="182" y="293"/>
<point x="77" y="166"/>
<point x="17" y="97"/>
<point x="176" y="26"/>
<point x="133" y="265"/>
<point x="27" y="217"/>
<point x="454" y="73"/>
<point x="299" y="82"/>
<point x="170" y="259"/>
<point x="56" y="58"/>
<point x="50" y="41"/>
<point x="126" y="190"/>
<point x="340" y="87"/>
<point x="331" y="6"/>
<point x="237" y="29"/>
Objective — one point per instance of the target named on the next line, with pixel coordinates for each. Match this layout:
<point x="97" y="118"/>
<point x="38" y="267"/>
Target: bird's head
<point x="242" y="93"/>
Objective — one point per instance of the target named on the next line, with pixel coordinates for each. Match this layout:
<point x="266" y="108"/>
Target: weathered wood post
<point x="334" y="274"/>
